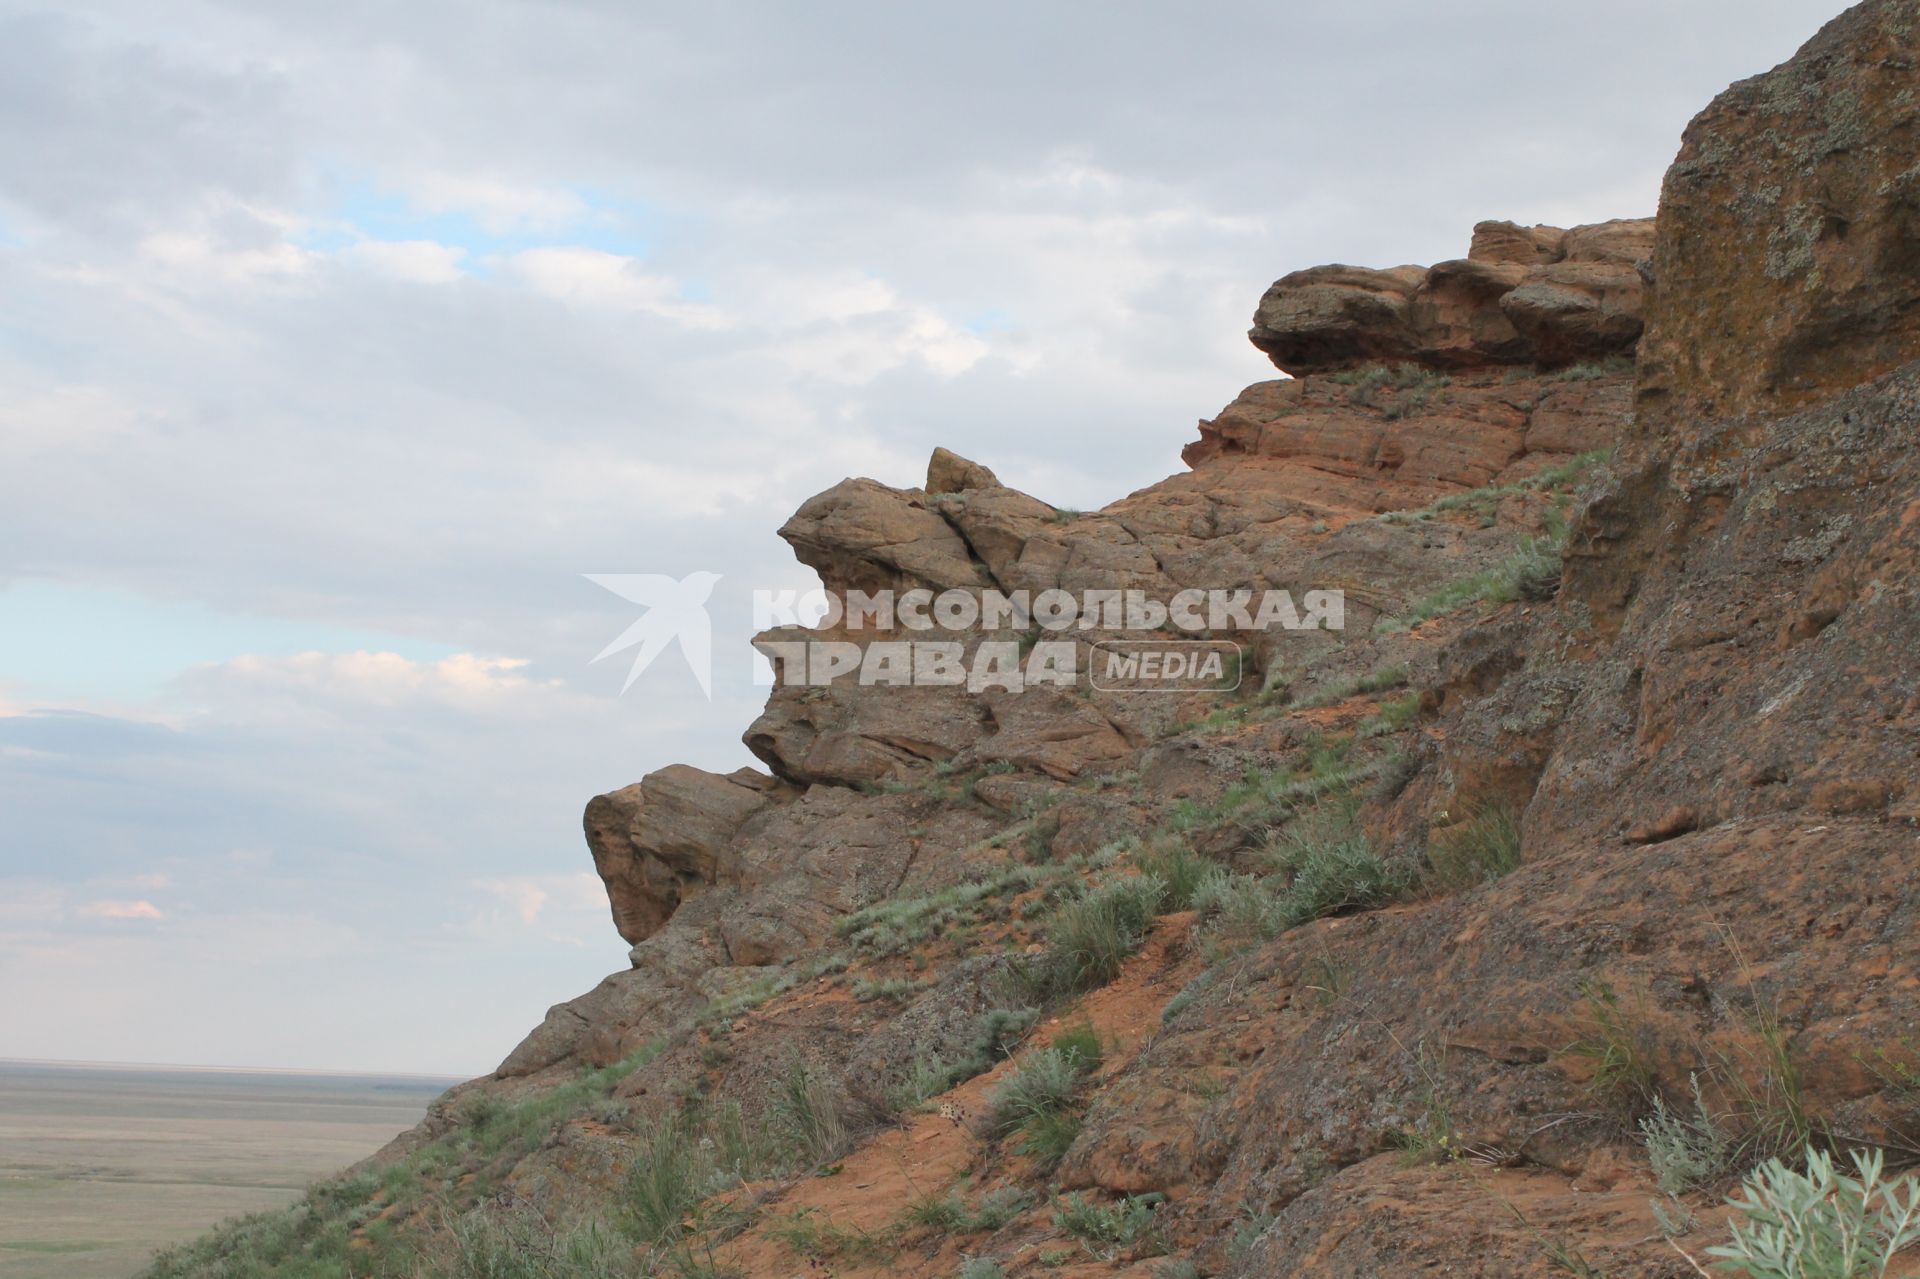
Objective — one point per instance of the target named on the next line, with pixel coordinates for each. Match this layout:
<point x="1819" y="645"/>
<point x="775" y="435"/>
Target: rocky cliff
<point x="1377" y="956"/>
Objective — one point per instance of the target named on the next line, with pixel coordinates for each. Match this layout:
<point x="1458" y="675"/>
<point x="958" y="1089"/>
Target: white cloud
<point x="594" y="279"/>
<point x="414" y="261"/>
<point x="388" y="679"/>
<point x="527" y="897"/>
<point x="120" y="910"/>
<point x="225" y="399"/>
<point x="198" y="259"/>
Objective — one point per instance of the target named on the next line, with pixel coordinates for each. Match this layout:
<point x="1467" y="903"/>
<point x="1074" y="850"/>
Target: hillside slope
<point x="1376" y="960"/>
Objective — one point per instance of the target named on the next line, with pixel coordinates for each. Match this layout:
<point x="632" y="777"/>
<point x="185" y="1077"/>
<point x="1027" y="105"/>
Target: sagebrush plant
<point x="1237" y="908"/>
<point x="1333" y="876"/>
<point x="995" y="1034"/>
<point x="1111" y="1225"/>
<point x="1821" y="1223"/>
<point x="524" y="1247"/>
<point x="981" y="1268"/>
<point x="1687" y="1150"/>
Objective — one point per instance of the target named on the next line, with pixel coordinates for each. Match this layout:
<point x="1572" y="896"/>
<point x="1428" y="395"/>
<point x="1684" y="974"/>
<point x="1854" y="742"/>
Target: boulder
<point x="861" y="535"/>
<point x="948" y="472"/>
<point x="1522" y="295"/>
<point x="668" y="837"/>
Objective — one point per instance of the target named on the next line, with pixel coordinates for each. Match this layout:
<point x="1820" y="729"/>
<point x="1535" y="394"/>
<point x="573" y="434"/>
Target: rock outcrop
<point x="1789" y="254"/>
<point x="669" y="837"/>
<point x="1522" y="295"/>
<point x="1640" y="834"/>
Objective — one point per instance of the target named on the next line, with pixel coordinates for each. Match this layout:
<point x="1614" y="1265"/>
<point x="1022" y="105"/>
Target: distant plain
<point x="99" y="1166"/>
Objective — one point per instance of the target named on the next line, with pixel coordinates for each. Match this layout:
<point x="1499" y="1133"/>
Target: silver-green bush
<point x="1822" y="1224"/>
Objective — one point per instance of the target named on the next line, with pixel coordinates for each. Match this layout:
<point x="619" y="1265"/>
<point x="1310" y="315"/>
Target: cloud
<point x="496" y="204"/>
<point x="594" y="279"/>
<point x="120" y="910"/>
<point x="462" y="680"/>
<point x="529" y="896"/>
<point x="414" y="261"/>
<point x="319" y="326"/>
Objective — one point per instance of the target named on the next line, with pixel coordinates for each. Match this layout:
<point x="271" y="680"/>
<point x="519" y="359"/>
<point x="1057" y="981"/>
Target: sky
<point x="339" y="343"/>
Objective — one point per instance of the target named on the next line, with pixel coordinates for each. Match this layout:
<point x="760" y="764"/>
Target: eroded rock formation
<point x="1707" y="732"/>
<point x="1522" y="295"/>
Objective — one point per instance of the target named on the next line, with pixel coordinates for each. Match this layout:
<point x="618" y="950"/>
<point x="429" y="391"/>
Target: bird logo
<point x="676" y="610"/>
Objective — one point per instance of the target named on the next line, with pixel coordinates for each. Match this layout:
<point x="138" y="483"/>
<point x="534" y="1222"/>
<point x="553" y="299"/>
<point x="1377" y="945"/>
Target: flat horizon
<point x="203" y="1068"/>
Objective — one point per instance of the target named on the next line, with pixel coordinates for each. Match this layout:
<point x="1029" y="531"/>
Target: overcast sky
<point x="337" y="341"/>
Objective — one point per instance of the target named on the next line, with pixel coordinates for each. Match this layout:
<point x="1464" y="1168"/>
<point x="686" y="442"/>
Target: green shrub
<point x="866" y="989"/>
<point x="1173" y="862"/>
<point x="1114" y="1225"/>
<point x="1530" y="572"/>
<point x="981" y="1268"/>
<point x="1394" y="714"/>
<point x="1047" y="1138"/>
<point x="1333" y="876"/>
<point x="1081" y="1045"/>
<point x="1093" y="934"/>
<point x="951" y="1214"/>
<point x="1042" y="1084"/>
<point x="1821" y="1224"/>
